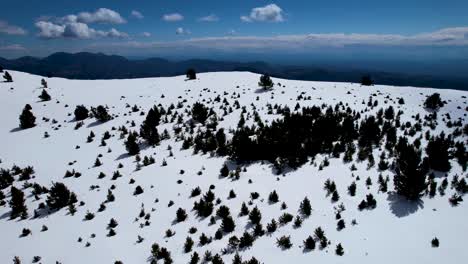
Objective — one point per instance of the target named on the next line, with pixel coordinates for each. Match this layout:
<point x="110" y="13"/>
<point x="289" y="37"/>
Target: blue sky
<point x="146" y="28"/>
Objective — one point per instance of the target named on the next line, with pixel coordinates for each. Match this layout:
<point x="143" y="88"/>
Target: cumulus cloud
<point x="209" y="18"/>
<point x="8" y="29"/>
<point x="268" y="13"/>
<point x="182" y="31"/>
<point x="78" y="30"/>
<point x="146" y="34"/>
<point x="173" y="17"/>
<point x="137" y="14"/>
<point x="76" y="25"/>
<point x="102" y="15"/>
<point x="13" y="47"/>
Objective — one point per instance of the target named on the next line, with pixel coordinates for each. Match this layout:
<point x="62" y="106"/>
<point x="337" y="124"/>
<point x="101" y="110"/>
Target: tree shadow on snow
<point x="402" y="207"/>
<point x="15" y="129"/>
<point x="95" y="123"/>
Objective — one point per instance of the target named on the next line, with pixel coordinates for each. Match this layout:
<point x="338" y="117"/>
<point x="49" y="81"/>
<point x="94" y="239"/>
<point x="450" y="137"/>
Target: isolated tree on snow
<point x="410" y="178"/>
<point x="433" y="102"/>
<point x="305" y="207"/>
<point x="81" y="112"/>
<point x="44" y="96"/>
<point x="131" y="144"/>
<point x="100" y="113"/>
<point x="18" y="208"/>
<point x="44" y="83"/>
<point x="27" y="119"/>
<point x="7" y="77"/>
<point x="191" y="74"/>
<point x="265" y="81"/>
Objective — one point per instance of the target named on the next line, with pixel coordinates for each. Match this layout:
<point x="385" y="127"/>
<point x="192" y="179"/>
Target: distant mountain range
<point x="85" y="65"/>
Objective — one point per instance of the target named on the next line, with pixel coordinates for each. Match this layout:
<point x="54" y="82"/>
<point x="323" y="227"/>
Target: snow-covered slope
<point x="395" y="232"/>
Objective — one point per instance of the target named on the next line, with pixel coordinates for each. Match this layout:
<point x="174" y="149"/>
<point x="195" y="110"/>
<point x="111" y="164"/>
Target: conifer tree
<point x="228" y="224"/>
<point x="59" y="196"/>
<point x="27" y="119"/>
<point x="18" y="208"/>
<point x="305" y="207"/>
<point x="7" y="77"/>
<point x="81" y="112"/>
<point x="410" y="175"/>
<point x="433" y="102"/>
<point x="100" y="113"/>
<point x="255" y="216"/>
<point x="191" y="74"/>
<point x="438" y="153"/>
<point x="44" y="96"/>
<point x="265" y="82"/>
<point x="131" y="144"/>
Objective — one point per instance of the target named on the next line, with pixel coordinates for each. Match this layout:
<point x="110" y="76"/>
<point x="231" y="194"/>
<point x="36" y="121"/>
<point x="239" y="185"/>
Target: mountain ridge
<point x="86" y="65"/>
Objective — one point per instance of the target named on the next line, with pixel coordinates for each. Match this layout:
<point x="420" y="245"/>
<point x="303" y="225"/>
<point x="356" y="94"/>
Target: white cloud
<point x="146" y="34"/>
<point x="173" y="17"/>
<point x="137" y="14"/>
<point x="268" y="13"/>
<point x="182" y="31"/>
<point x="232" y="32"/>
<point x="76" y="25"/>
<point x="448" y="37"/>
<point x="102" y="15"/>
<point x="13" y="47"/>
<point x="49" y="30"/>
<point x="209" y="18"/>
<point x="8" y="29"/>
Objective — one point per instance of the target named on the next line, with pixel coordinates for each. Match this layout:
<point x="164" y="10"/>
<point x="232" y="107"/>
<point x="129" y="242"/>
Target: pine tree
<point x="7" y="77"/>
<point x="181" y="215"/>
<point x="191" y="74"/>
<point x="339" y="250"/>
<point x="100" y="113"/>
<point x="305" y="207"/>
<point x="188" y="245"/>
<point x="255" y="216"/>
<point x="27" y="119"/>
<point x="273" y="197"/>
<point x="265" y="82"/>
<point x="131" y="144"/>
<point x="217" y="259"/>
<point x="410" y="175"/>
<point x="224" y="172"/>
<point x="309" y="243"/>
<point x="246" y="240"/>
<point x="228" y="224"/>
<point x="81" y="112"/>
<point x="44" y="96"/>
<point x="195" y="258"/>
<point x="433" y="102"/>
<point x="18" y="208"/>
<point x="199" y="112"/>
<point x="438" y="153"/>
<point x="59" y="196"/>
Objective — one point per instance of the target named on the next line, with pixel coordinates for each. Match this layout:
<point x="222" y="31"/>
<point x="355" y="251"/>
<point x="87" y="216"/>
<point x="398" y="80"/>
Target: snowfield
<point x="396" y="231"/>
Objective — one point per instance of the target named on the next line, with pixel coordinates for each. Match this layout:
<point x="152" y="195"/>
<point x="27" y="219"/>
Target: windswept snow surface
<point x="395" y="232"/>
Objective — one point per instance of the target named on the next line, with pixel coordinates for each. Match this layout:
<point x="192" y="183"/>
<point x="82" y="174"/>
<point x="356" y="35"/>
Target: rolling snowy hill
<point x="396" y="231"/>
